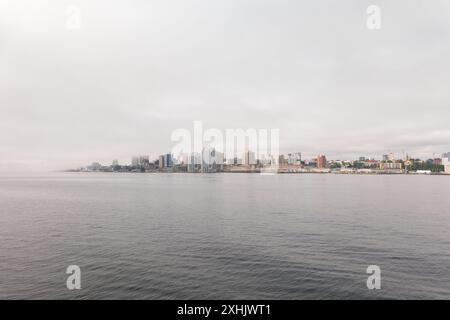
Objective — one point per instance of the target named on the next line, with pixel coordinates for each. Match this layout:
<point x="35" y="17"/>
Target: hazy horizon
<point x="133" y="72"/>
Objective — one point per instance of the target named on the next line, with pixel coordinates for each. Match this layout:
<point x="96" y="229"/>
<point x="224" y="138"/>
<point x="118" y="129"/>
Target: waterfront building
<point x="312" y="162"/>
<point x="282" y="161"/>
<point x="220" y="158"/>
<point x="182" y="159"/>
<point x="391" y="157"/>
<point x="144" y="161"/>
<point x="409" y="162"/>
<point x="135" y="161"/>
<point x="321" y="161"/>
<point x="295" y="158"/>
<point x="168" y="160"/>
<point x="234" y="161"/>
<point x="266" y="160"/>
<point x="194" y="162"/>
<point x="95" y="166"/>
<point x="161" y="161"/>
<point x="212" y="160"/>
<point x="371" y="163"/>
<point x="391" y="165"/>
<point x="446" y="162"/>
<point x="249" y="158"/>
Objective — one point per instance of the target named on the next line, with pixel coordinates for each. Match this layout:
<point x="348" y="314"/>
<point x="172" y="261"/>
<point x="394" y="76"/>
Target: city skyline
<point x="250" y="153"/>
<point x="211" y="160"/>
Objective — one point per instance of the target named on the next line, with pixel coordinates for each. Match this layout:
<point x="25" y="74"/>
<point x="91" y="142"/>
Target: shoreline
<point x="268" y="173"/>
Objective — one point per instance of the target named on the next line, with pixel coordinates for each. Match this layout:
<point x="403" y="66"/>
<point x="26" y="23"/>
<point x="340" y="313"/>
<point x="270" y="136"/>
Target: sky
<point x="116" y="80"/>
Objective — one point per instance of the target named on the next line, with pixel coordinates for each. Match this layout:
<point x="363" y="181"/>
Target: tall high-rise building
<point x="321" y="161"/>
<point x="446" y="162"/>
<point x="168" y="160"/>
<point x="249" y="158"/>
<point x="161" y="161"/>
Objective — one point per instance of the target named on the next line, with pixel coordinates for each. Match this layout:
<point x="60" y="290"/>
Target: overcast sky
<point x="137" y="70"/>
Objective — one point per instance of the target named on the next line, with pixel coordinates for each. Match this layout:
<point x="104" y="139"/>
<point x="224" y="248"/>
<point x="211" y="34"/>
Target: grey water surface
<point x="224" y="236"/>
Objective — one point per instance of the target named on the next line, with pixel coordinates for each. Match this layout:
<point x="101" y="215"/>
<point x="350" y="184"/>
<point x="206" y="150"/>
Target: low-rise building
<point x="135" y="161"/>
<point x="391" y="165"/>
<point x="295" y="158"/>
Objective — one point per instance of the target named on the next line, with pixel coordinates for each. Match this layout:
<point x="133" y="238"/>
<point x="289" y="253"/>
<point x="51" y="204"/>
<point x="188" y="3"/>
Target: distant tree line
<point x="426" y="166"/>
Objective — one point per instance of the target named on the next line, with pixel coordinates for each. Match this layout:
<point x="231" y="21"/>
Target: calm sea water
<point x="224" y="236"/>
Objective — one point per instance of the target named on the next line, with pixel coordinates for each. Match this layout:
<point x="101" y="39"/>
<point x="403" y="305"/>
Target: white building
<point x="446" y="162"/>
<point x="388" y="157"/>
<point x="391" y="157"/>
<point x="295" y="158"/>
